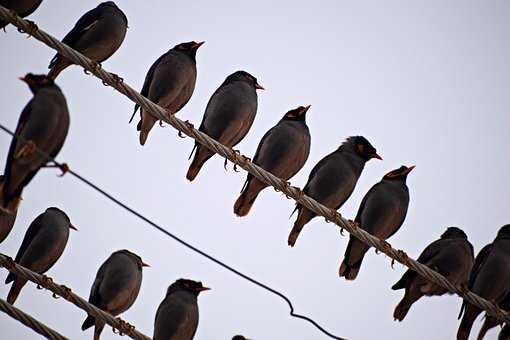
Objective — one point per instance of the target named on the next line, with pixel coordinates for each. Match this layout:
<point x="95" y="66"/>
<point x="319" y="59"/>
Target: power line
<point x="243" y="161"/>
<point x="30" y="321"/>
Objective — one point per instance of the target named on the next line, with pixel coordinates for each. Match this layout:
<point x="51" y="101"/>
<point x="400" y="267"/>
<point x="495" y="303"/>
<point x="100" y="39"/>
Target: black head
<point x="112" y="5"/>
<point x="454" y="232"/>
<point x="135" y="257"/>
<point x="504" y="231"/>
<point x="194" y="287"/>
<point x="297" y="114"/>
<point x="189" y="48"/>
<point x="244" y="76"/>
<point x="399" y="174"/>
<point x="37" y="81"/>
<point x="362" y="147"/>
<point x="62" y="213"/>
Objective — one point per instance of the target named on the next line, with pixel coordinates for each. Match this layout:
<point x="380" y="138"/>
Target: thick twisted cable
<point x="60" y="290"/>
<point x="29" y="321"/>
<point x="244" y="162"/>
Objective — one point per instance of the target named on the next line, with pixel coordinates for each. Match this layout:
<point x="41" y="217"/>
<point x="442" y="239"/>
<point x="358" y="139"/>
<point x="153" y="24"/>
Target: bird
<point x="333" y="179"/>
<point x="98" y="34"/>
<point x="23" y="8"/>
<point x="169" y="83"/>
<point x="489" y="278"/>
<point x="43" y="244"/>
<point x="42" y="128"/>
<point x="115" y="287"/>
<point x="7" y="219"/>
<point x="177" y="315"/>
<point x="228" y="116"/>
<point x="282" y="151"/>
<point x="381" y="213"/>
<point x="452" y="256"/>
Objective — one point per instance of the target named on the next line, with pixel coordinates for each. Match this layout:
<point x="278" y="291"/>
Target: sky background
<point x="426" y="82"/>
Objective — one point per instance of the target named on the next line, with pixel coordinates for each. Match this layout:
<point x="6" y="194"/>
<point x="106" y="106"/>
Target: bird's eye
<point x="361" y="148"/>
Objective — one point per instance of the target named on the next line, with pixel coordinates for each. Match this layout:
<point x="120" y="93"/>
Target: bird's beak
<point x="145" y="264"/>
<point x="203" y="289"/>
<point x="306" y="108"/>
<point x="259" y="87"/>
<point x="197" y="45"/>
<point x="409" y="169"/>
<point x="375" y="155"/>
<point x="72" y="227"/>
<point x="23" y="79"/>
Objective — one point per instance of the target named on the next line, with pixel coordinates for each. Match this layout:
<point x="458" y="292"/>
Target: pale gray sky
<point x="426" y="82"/>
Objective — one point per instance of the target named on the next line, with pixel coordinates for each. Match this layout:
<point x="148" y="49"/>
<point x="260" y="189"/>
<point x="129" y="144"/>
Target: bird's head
<point x="63" y="214"/>
<point x="361" y="147"/>
<point x="504" y="231"/>
<point x="189" y="48"/>
<point x="246" y="77"/>
<point x="135" y="257"/>
<point x="194" y="287"/>
<point x="297" y="114"/>
<point x="454" y="232"/>
<point x="399" y="174"/>
<point x="36" y="81"/>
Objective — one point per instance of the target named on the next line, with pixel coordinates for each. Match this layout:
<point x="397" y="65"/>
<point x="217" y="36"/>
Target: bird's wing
<point x="428" y="254"/>
<point x="23" y="119"/>
<point x="32" y="231"/>
<point x="86" y="22"/>
<point x="95" y="296"/>
<point x="148" y="81"/>
<point x="322" y="163"/>
<point x="364" y="202"/>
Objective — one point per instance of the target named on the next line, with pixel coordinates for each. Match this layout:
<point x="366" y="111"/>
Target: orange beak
<point x="259" y="87"/>
<point x="72" y="227"/>
<point x="145" y="264"/>
<point x="203" y="289"/>
<point x="23" y="79"/>
<point x="375" y="155"/>
<point x="197" y="45"/>
<point x="307" y="108"/>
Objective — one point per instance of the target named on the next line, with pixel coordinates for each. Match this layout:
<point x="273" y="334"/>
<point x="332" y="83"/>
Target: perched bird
<point x="381" y="213"/>
<point x="451" y="255"/>
<point x="22" y="7"/>
<point x="177" y="315"/>
<point x="97" y="35"/>
<point x="333" y="179"/>
<point x="282" y="151"/>
<point x="489" y="278"/>
<point x="43" y="125"/>
<point x="116" y="287"/>
<point x="7" y="219"/>
<point x="169" y="83"/>
<point x="228" y="116"/>
<point x="42" y="246"/>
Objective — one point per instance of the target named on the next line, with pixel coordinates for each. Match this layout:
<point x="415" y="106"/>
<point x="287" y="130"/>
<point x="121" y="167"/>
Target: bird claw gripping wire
<point x="124" y="327"/>
<point x="286" y="185"/>
<point x="67" y="291"/>
<point x="116" y="79"/>
<point x="190" y="128"/>
<point x="45" y="281"/>
<point x="32" y="28"/>
<point x="63" y="167"/>
<point x="237" y="155"/>
<point x="95" y="67"/>
<point x="403" y="256"/>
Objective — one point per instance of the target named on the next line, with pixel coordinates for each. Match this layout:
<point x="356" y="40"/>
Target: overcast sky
<point x="427" y="83"/>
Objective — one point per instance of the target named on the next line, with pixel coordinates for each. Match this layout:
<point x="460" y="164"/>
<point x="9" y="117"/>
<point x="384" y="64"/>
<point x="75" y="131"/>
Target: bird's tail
<point x="145" y="125"/>
<point x="248" y="195"/>
<point x="57" y="65"/>
<point x="489" y="323"/>
<point x="410" y="297"/>
<point x="89" y="322"/>
<point x="15" y="290"/>
<point x="470" y="314"/>
<point x="353" y="258"/>
<point x="304" y="216"/>
<point x="201" y="156"/>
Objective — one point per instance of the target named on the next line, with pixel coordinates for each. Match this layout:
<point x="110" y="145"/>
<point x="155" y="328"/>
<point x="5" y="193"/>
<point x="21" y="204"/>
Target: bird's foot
<point x="225" y="164"/>
<point x="32" y="28"/>
<point x="63" y="167"/>
<point x="45" y="281"/>
<point x="116" y="79"/>
<point x="161" y="123"/>
<point x="26" y="150"/>
<point x="95" y="67"/>
<point x="181" y="135"/>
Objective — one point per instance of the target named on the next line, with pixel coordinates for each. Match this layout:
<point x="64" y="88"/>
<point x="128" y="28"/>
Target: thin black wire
<point x="176" y="238"/>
